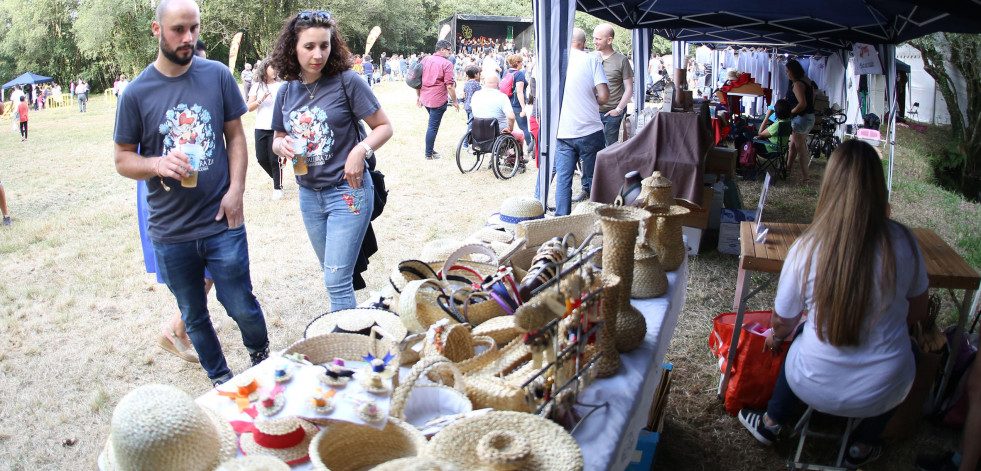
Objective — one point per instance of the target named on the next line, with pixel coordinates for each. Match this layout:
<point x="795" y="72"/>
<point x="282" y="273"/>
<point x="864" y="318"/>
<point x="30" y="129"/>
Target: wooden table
<point x="945" y="269"/>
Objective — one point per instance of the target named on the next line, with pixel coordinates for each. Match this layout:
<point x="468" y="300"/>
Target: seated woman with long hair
<point x="861" y="278"/>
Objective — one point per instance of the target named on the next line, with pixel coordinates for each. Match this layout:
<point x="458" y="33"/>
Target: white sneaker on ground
<point x="277" y="194"/>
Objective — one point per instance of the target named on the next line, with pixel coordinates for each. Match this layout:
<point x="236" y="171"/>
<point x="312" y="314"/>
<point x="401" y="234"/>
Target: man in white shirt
<point x="490" y="102"/>
<point x="490" y="66"/>
<point x="580" y="133"/>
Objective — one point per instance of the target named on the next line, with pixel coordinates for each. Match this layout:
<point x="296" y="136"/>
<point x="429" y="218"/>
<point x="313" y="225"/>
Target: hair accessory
<point x="386" y="370"/>
<point x="369" y="412"/>
<point x="298" y="358"/>
<point x="283" y="374"/>
<point x="246" y="391"/>
<point x="336" y="374"/>
<point x="373" y="383"/>
<point x="270" y="404"/>
<point x="323" y="402"/>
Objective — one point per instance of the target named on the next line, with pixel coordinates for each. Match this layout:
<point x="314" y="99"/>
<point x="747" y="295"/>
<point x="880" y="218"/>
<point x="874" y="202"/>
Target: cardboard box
<point x="730" y="220"/>
<point x="722" y="161"/>
<point x="693" y="239"/>
<point x="643" y="459"/>
<point x="698" y="218"/>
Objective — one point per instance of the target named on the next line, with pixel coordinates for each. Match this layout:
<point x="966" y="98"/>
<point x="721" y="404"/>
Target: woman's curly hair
<point x="284" y="60"/>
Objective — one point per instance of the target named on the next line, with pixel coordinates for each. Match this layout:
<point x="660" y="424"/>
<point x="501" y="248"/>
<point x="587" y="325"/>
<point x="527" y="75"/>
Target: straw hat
<point x="357" y="321"/>
<point x="415" y="464"/>
<point x="346" y="446"/>
<point x="517" y="209"/>
<point x="507" y="440"/>
<point x="161" y="427"/>
<point x="254" y="463"/>
<point x="286" y="438"/>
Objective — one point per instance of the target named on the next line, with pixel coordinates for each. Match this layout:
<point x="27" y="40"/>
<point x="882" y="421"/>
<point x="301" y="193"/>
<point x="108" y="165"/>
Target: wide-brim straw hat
<point x="346" y="446"/>
<point x="158" y="426"/>
<point x="507" y="440"/>
<point x="286" y="438"/>
<point x="254" y="463"/>
<point x="516" y="209"/>
<point x="357" y="321"/>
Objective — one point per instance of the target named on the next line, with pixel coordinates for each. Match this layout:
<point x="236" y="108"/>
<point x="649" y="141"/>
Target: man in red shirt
<point x="437" y="83"/>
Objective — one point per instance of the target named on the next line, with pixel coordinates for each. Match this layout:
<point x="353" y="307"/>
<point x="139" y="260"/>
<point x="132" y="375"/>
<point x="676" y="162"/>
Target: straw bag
<point x="345" y="446"/>
<point x="325" y="348"/>
<point x="487" y="381"/>
<point x="418" y="403"/>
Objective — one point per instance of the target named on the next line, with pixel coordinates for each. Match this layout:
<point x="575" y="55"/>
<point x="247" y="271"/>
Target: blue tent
<point x="27" y="78"/>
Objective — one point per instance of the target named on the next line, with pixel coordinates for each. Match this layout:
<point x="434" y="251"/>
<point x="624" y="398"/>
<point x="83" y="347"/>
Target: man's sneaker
<point x="942" y="462"/>
<point x="221" y="380"/>
<point x="753" y="421"/>
<point x="257" y="357"/>
<point x="6" y="221"/>
<point x="582" y="196"/>
<point x="854" y="459"/>
<point x="435" y="156"/>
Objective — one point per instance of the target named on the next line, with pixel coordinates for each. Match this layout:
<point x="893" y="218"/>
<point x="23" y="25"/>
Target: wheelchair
<point x="485" y="137"/>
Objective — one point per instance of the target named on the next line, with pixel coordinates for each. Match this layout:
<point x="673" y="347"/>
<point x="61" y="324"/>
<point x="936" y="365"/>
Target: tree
<point x="38" y="37"/>
<point x="946" y="54"/>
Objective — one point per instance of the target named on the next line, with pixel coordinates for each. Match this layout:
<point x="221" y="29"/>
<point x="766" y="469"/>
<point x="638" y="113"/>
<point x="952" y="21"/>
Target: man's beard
<point x="172" y="56"/>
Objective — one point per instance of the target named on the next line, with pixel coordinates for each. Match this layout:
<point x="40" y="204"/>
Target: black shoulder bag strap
<point x="377" y="178"/>
<point x="356" y="123"/>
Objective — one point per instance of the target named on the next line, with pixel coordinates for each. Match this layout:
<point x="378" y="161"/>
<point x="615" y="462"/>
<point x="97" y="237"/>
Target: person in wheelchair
<point x="489" y="102"/>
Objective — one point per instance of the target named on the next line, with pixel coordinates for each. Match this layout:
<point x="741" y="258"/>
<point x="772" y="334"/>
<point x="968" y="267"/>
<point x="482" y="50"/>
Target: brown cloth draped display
<point x="673" y="143"/>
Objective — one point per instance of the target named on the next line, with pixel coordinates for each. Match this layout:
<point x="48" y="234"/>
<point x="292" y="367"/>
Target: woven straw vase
<point x="621" y="225"/>
<point x="609" y="363"/>
<point x="656" y="191"/>
<point x="650" y="280"/>
<point x="667" y="240"/>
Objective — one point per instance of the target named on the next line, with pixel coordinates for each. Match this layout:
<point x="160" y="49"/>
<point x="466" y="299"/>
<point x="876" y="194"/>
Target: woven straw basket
<point x="349" y="347"/>
<point x="501" y="329"/>
<point x="345" y="446"/>
<point x="650" y="280"/>
<point x="417" y="403"/>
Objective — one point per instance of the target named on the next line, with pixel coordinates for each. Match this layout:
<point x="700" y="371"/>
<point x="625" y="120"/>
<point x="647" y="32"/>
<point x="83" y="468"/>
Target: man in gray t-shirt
<point x="179" y="105"/>
<point x="620" y="75"/>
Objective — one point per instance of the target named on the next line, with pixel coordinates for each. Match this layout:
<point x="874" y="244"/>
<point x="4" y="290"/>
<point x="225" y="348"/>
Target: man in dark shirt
<point x="178" y="121"/>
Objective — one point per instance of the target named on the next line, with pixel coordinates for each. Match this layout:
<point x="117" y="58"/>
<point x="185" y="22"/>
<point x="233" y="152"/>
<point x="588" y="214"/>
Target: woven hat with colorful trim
<point x="254" y="463"/>
<point x="286" y="438"/>
<point x="507" y="440"/>
<point x="158" y="426"/>
<point x="517" y="209"/>
<point x="357" y="321"/>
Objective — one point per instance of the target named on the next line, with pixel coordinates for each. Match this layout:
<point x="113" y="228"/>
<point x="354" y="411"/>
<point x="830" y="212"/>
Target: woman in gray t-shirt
<point x="316" y="119"/>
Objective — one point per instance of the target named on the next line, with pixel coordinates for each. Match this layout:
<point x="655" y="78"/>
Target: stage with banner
<point x="501" y="28"/>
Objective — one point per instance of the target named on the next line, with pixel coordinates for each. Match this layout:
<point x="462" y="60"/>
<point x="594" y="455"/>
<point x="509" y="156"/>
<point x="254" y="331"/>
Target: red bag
<point x="747" y="155"/>
<point x="754" y="374"/>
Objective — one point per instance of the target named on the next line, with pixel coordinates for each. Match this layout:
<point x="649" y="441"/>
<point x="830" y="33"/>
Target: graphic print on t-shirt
<point x="311" y="124"/>
<point x="189" y="125"/>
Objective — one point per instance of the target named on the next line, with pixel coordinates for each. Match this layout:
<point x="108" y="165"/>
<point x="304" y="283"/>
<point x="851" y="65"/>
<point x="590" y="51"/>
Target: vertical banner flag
<point x="444" y="31"/>
<point x="233" y="51"/>
<point x="372" y="37"/>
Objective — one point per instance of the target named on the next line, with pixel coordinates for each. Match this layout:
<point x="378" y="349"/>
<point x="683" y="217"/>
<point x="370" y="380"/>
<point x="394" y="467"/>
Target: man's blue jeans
<point x="336" y="219"/>
<point x="568" y="152"/>
<point x="226" y="255"/>
<point x="611" y="127"/>
<point x="435" y="117"/>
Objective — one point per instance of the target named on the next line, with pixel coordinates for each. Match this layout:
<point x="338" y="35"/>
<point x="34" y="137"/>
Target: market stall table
<point x="945" y="269"/>
<point x="608" y="436"/>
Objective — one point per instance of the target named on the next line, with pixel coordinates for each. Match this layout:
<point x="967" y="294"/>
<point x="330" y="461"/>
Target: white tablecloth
<point x="609" y="436"/>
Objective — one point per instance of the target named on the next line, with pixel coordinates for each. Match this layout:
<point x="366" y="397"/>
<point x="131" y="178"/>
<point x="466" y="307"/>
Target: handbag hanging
<point x="755" y="371"/>
<point x="377" y="178"/>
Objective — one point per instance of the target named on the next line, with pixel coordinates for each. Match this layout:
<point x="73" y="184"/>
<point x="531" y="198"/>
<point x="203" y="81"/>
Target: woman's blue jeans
<point x="226" y="255"/>
<point x="336" y="219"/>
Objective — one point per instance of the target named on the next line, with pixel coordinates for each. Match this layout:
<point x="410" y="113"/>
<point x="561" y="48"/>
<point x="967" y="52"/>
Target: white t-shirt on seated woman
<point x="263" y="114"/>
<point x="862" y="381"/>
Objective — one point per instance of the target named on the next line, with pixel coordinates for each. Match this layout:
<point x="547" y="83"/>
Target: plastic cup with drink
<point x="300" y="155"/>
<point x="194" y="152"/>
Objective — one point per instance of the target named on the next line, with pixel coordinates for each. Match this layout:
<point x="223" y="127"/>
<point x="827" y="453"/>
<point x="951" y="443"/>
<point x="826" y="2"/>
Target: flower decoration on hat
<point x="381" y="366"/>
<point x="271" y="403"/>
<point x="323" y="402"/>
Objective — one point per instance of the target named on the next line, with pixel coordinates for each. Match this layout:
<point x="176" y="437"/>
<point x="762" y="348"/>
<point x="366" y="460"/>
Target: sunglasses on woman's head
<point x="315" y="16"/>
